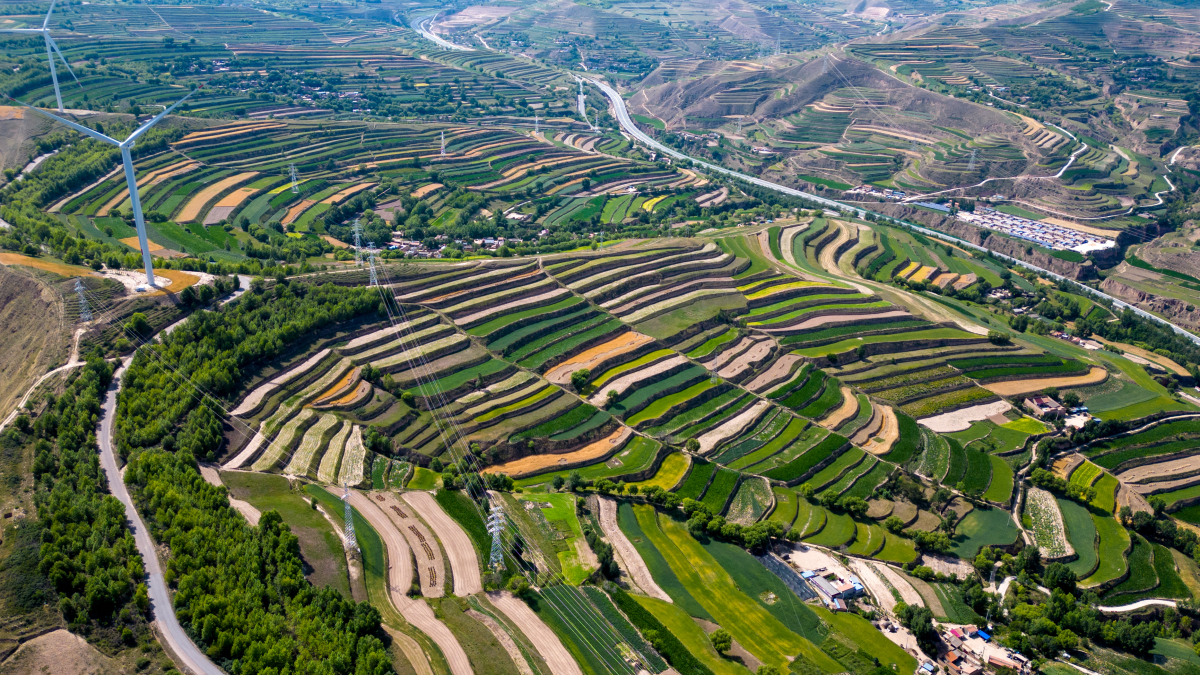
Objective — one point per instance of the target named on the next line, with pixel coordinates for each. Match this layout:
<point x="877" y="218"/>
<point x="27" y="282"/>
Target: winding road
<point x="628" y="126"/>
<point x="188" y="655"/>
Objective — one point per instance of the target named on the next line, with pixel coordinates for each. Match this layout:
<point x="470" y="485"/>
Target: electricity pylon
<point x="495" y="527"/>
<point x="351" y="540"/>
<point x="295" y="185"/>
<point x="357" y="243"/>
<point x="371" y="262"/>
<point x="85" y="313"/>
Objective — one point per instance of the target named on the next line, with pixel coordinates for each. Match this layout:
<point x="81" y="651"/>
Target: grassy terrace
<point x="852" y="343"/>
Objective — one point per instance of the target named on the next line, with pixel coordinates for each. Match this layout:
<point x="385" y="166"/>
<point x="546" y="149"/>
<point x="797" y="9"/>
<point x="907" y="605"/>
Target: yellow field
<point x="669" y="474"/>
<point x="192" y="210"/>
<point x="133" y="243"/>
<point x="45" y="264"/>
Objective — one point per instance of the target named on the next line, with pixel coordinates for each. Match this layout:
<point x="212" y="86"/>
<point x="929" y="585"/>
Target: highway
<point x="189" y="657"/>
<point x="422" y="26"/>
<point x="629" y="127"/>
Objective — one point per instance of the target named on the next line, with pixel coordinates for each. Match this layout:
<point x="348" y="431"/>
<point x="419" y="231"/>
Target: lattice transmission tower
<point x="292" y="173"/>
<point x="85" y="312"/>
<point x="443" y="144"/>
<point x="371" y="261"/>
<point x="351" y="540"/>
<point x="357" y="243"/>
<point x="495" y="527"/>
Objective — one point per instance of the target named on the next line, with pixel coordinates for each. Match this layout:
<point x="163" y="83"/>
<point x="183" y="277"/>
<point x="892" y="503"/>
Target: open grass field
<point x="681" y="625"/>
<point x="983" y="527"/>
<point x="319" y="544"/>
<point x="1111" y="547"/>
<point x="752" y="626"/>
<point x="633" y="520"/>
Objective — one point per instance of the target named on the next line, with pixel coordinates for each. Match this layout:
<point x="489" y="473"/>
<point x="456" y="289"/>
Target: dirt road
<point x="627" y="555"/>
<point x="463" y="562"/>
<point x="547" y="644"/>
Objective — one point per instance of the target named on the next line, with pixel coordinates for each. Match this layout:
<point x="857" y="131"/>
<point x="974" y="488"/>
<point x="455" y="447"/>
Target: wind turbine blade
<point x="146" y="127"/>
<point x="63" y="59"/>
<point x="77" y="127"/>
<point x="47" y="21"/>
<point x="20" y="30"/>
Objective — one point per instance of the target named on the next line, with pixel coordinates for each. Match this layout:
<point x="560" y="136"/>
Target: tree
<point x="894" y="524"/>
<point x="768" y="670"/>
<point x="579" y="379"/>
<point x="1058" y="575"/>
<point x="692" y="445"/>
<point x="138" y="325"/>
<point x="857" y="507"/>
<point x="721" y="640"/>
<point x="519" y="586"/>
<point x="806" y="490"/>
<point x="611" y="398"/>
<point x="919" y="620"/>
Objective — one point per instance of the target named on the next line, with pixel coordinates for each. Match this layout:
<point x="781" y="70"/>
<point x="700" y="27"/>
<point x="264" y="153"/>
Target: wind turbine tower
<point x="51" y="49"/>
<point x="125" y="146"/>
<point x="536" y="120"/>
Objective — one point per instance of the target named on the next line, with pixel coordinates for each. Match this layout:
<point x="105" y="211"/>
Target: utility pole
<point x="357" y="243"/>
<point x="351" y="540"/>
<point x="295" y="185"/>
<point x="371" y="262"/>
<point x="85" y="313"/>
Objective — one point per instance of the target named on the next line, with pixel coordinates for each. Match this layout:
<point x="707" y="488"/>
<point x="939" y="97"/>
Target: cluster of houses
<point x="970" y="650"/>
<point x="871" y="191"/>
<point x="1079" y="342"/>
<point x="832" y="589"/>
<point x="1042" y="233"/>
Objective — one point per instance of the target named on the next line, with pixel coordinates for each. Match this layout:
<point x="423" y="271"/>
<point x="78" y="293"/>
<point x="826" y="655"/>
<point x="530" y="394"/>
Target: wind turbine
<point x="125" y="146"/>
<point x="51" y="48"/>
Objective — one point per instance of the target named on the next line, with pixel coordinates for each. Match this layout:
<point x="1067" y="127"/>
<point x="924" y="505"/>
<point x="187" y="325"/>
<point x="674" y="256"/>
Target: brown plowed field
<point x="1018" y="387"/>
<point x="628" y="341"/>
<point x="527" y="466"/>
<point x="459" y="549"/>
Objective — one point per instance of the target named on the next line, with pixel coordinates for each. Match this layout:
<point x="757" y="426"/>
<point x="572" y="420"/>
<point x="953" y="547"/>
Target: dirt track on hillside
<point x="626" y="553"/>
<point x="547" y="644"/>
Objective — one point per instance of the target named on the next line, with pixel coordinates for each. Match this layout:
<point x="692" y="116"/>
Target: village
<point x="1039" y="232"/>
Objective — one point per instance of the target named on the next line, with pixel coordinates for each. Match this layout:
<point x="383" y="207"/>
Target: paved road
<point x="190" y="658"/>
<point x="627" y="124"/>
<point x="243" y="285"/>
<point x="422" y="26"/>
<point x="1138" y="605"/>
